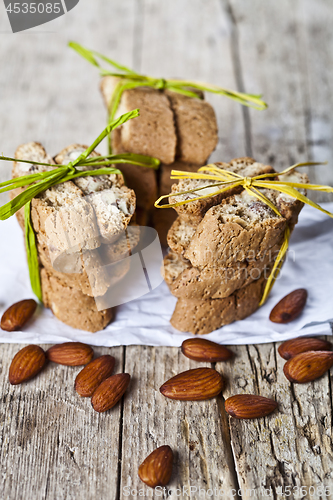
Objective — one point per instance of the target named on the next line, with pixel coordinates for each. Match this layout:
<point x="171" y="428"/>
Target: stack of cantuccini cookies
<point x="82" y="236"/>
<point x="223" y="248"/>
<point x="180" y="131"/>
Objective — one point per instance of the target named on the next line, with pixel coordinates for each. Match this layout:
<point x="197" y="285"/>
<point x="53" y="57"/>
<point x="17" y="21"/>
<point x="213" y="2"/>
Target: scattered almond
<point x="205" y="350"/>
<point x="70" y="354"/>
<point x="93" y="374"/>
<point x="194" y="385"/>
<point x="26" y="364"/>
<point x="290" y="307"/>
<point x="245" y="406"/>
<point x="17" y="315"/>
<point x="308" y="366"/>
<point x="290" y="348"/>
<point x="156" y="469"/>
<point x="110" y="391"/>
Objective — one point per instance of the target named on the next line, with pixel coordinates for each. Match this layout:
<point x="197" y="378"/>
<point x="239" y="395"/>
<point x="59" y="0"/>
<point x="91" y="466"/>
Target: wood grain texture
<point x="52" y="445"/>
<point x="292" y="447"/>
<point x="193" y="430"/>
<point x="279" y="47"/>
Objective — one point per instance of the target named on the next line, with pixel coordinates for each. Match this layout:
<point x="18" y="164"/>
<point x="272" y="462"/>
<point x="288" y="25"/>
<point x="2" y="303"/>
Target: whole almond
<point x="205" y="350"/>
<point x="26" y="364"/>
<point x="245" y="406"/>
<point x="308" y="366"/>
<point x="290" y="307"/>
<point x="194" y="385"/>
<point x="93" y="374"/>
<point x="17" y="315"/>
<point x="290" y="348"/>
<point x="110" y="392"/>
<point x="70" y="354"/>
<point x="156" y="469"/>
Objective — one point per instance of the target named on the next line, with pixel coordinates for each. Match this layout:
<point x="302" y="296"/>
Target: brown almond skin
<point x="290" y="307"/>
<point x="156" y="469"/>
<point x="308" y="366"/>
<point x="194" y="385"/>
<point x="93" y="374"/>
<point x="26" y="364"/>
<point x="17" y="315"/>
<point x="290" y="348"/>
<point x="244" y="406"/>
<point x="110" y="391"/>
<point x="205" y="350"/>
<point x="70" y="354"/>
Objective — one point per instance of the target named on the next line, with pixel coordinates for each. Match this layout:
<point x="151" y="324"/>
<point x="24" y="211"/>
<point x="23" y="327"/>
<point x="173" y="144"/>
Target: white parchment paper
<point x="145" y="321"/>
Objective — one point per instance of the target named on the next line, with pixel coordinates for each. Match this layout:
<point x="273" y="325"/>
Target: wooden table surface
<point x="53" y="445"/>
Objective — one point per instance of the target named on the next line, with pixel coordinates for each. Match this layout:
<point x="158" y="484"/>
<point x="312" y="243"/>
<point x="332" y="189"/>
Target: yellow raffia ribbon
<point x="224" y="180"/>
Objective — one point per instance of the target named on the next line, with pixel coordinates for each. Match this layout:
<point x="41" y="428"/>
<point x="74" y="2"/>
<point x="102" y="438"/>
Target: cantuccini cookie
<point x="240" y="226"/>
<point x="195" y="210"/>
<point x="204" y="316"/>
<point x="186" y="281"/>
<point x="153" y="133"/>
<point x="71" y="306"/>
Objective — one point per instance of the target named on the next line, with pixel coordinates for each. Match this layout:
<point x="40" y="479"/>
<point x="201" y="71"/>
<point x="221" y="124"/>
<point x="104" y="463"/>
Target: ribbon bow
<point x="224" y="180"/>
<point x="40" y="182"/>
<point x="130" y="79"/>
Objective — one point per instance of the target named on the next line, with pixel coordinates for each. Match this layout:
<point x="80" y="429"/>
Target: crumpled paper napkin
<point x="145" y="321"/>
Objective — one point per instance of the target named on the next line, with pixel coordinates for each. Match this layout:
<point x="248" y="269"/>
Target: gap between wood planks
<point x="238" y="71"/>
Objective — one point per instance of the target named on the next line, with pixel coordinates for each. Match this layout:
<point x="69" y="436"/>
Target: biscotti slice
<point x="242" y="226"/>
<point x="195" y="210"/>
<point x="89" y="184"/>
<point x="142" y="180"/>
<point x="70" y="220"/>
<point x="180" y="234"/>
<point x="188" y="282"/>
<point x="113" y="203"/>
<point x="71" y="306"/>
<point x="64" y="220"/>
<point x="153" y="133"/>
<point x="33" y="151"/>
<point x="204" y="316"/>
<point x="239" y="227"/>
<point x="196" y="128"/>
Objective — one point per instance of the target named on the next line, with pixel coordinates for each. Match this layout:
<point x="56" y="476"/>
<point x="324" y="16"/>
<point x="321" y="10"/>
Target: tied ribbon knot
<point x="160" y="84"/>
<point x="224" y="180"/>
<point x="71" y="170"/>
<point x="248" y="182"/>
<point x="41" y="181"/>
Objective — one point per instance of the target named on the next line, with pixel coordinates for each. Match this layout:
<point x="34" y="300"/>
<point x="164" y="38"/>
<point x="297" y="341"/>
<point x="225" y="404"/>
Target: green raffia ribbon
<point x="224" y="180"/>
<point x="40" y="182"/>
<point x="130" y="79"/>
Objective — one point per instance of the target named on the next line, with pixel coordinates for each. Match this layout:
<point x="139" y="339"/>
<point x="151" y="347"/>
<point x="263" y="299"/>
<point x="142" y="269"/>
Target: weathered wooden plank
<point x="193" y="429"/>
<point x="314" y="22"/>
<point x="291" y="447"/>
<point x="53" y="445"/>
<point x="275" y="54"/>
